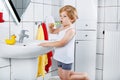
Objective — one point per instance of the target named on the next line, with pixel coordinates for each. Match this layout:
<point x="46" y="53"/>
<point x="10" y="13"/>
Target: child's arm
<point x="68" y="36"/>
<point x="51" y="28"/>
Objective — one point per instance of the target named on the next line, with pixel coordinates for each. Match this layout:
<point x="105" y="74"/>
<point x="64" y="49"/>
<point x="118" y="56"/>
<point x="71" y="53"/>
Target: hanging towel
<point x="49" y="54"/>
<point x="40" y="33"/>
<point x="42" y="60"/>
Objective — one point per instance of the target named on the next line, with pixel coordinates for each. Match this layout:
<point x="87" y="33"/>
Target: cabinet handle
<point x="86" y="35"/>
<point x="103" y="32"/>
<point x="77" y="42"/>
<point x="86" y="25"/>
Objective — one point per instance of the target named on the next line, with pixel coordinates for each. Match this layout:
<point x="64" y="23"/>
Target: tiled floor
<point x="54" y="78"/>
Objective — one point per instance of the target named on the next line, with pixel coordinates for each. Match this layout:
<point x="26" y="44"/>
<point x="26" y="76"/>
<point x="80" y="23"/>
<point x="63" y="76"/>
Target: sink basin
<point x="23" y="50"/>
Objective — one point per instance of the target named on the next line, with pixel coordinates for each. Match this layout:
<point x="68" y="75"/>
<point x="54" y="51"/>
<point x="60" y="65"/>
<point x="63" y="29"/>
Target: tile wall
<point x="108" y="19"/>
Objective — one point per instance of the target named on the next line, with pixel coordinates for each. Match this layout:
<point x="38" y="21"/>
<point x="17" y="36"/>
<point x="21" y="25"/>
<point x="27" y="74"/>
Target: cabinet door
<point x="5" y="73"/>
<point x="111" y="65"/>
<point x="4" y="62"/>
<point x="23" y="69"/>
<point x="87" y="9"/>
<point x="85" y="57"/>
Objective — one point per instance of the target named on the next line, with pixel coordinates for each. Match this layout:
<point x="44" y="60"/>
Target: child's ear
<point x="72" y="20"/>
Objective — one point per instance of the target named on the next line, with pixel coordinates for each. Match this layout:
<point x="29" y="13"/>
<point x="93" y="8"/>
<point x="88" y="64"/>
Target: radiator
<point x="111" y="65"/>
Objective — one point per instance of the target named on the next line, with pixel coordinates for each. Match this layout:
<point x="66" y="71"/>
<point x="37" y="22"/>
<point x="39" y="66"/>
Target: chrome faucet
<point x="22" y="35"/>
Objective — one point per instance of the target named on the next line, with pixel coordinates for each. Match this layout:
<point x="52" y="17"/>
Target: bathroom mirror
<point x="17" y="8"/>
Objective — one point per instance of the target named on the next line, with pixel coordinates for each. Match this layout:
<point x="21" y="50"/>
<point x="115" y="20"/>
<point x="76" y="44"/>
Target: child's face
<point x="65" y="20"/>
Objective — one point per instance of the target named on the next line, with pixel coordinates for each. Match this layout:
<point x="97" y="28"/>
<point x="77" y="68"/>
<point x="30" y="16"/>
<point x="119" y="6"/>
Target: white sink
<point x="23" y="50"/>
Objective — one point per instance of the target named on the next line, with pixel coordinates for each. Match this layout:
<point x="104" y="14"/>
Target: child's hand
<point x="51" y="25"/>
<point x="42" y="44"/>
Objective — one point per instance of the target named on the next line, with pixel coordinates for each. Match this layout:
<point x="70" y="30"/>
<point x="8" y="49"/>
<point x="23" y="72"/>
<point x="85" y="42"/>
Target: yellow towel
<point x="42" y="60"/>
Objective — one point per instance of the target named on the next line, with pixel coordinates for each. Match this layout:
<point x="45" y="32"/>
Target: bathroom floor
<point x="54" y="78"/>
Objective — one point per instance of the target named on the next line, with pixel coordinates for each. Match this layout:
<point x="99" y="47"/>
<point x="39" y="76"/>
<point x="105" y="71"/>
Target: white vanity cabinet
<point x="85" y="52"/>
<point x="85" y="57"/>
<point x="4" y="69"/>
<point x="86" y="24"/>
<point x="4" y="62"/>
<point x="5" y="73"/>
<point x="85" y="44"/>
<point x="85" y="35"/>
<point x="23" y="69"/>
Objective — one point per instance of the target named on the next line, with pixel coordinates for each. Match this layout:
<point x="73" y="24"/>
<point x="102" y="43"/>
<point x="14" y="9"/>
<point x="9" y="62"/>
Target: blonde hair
<point x="71" y="12"/>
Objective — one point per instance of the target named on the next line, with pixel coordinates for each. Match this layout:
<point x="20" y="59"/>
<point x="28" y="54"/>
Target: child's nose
<point x="60" y="19"/>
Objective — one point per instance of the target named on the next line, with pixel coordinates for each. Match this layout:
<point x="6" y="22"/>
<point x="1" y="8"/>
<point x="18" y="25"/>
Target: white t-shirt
<point x="65" y="54"/>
